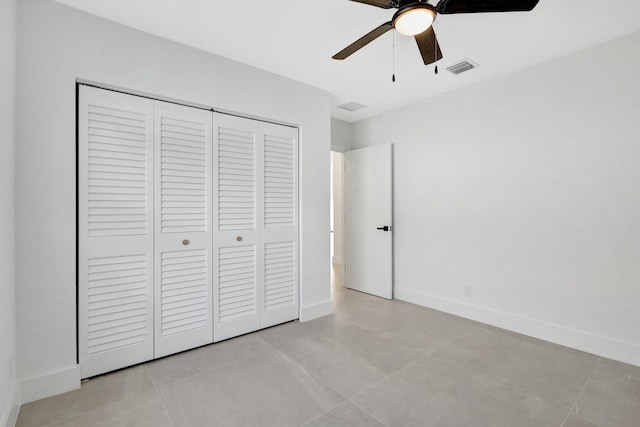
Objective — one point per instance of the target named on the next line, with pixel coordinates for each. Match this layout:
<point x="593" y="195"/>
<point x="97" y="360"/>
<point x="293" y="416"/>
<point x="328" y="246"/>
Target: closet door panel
<point x="237" y="259"/>
<point x="236" y="298"/>
<point x="115" y="230"/>
<point x="279" y="225"/>
<point x="183" y="288"/>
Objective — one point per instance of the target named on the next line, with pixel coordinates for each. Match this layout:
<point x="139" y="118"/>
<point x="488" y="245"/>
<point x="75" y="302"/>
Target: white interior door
<point x="368" y="208"/>
<point x="183" y="224"/>
<point x="115" y="230"/>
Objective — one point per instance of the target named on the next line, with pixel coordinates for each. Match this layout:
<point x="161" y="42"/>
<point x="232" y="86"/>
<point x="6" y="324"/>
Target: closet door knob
<point x="185" y="242"/>
<point x="239" y="238"/>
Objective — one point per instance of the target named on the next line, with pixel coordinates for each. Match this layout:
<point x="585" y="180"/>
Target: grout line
<point x="325" y="412"/>
<point x="388" y="376"/>
<point x="58" y="422"/>
<point x="205" y="371"/>
<point x="155" y="389"/>
<point x="146" y="368"/>
<point x="322" y="333"/>
<point x="473" y="373"/>
<point x="365" y="411"/>
<point x="347" y="399"/>
<point x="289" y="359"/>
<point x="86" y="381"/>
<point x="282" y="354"/>
<point x="375" y="385"/>
<point x="584" y="386"/>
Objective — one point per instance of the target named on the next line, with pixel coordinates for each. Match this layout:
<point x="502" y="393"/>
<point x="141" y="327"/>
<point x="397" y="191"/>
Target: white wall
<point x="8" y="390"/>
<point x="57" y="45"/>
<point x="341" y="135"/>
<point x="526" y="189"/>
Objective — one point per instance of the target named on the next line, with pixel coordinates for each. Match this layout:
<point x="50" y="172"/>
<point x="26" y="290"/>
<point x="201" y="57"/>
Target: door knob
<point x="185" y="242"/>
<point x="239" y="238"/>
<point x="385" y="228"/>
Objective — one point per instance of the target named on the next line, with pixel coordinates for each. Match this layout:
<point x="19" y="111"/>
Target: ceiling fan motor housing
<point x="414" y="18"/>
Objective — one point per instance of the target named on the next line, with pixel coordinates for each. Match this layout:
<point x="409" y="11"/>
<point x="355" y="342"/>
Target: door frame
<point x="80" y="82"/>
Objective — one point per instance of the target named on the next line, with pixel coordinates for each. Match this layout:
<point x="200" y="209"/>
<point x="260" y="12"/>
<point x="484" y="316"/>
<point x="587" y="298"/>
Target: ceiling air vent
<point x="352" y="106"/>
<point x="462" y="66"/>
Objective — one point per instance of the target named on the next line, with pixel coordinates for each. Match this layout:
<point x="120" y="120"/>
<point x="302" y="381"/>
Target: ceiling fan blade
<point x="385" y="4"/>
<point x="428" y="44"/>
<point x="363" y="41"/>
<point x="478" y="6"/>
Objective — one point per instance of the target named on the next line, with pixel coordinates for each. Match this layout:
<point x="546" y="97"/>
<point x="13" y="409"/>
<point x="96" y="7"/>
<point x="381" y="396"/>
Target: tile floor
<point x="373" y="363"/>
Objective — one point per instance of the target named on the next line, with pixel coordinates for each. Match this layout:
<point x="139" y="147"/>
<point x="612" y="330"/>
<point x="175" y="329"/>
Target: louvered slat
<point x="236" y="283"/>
<point x="236" y="180"/>
<point x="117" y="172"/>
<point x="280" y="275"/>
<point x="117" y="302"/>
<point x="183" y="191"/>
<point x="184" y="291"/>
<point x="279" y="182"/>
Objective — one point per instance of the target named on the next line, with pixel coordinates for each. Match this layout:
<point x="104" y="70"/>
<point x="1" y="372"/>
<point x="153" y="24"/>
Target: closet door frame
<point x="150" y="349"/>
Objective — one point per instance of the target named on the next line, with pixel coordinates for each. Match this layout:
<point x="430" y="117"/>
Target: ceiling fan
<point x="414" y="18"/>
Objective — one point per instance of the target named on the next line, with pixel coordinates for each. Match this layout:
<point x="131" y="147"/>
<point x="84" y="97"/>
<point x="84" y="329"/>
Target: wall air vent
<point x="462" y="66"/>
<point x="352" y="106"/>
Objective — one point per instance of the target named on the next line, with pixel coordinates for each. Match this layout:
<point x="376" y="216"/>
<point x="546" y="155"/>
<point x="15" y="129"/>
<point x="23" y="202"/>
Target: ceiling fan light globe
<point x="414" y="21"/>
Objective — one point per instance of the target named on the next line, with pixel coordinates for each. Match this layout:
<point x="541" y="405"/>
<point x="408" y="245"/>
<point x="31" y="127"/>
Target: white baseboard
<point x="595" y="344"/>
<point x="51" y="384"/>
<point x="10" y="411"/>
<point x="315" y="311"/>
<point x="337" y="260"/>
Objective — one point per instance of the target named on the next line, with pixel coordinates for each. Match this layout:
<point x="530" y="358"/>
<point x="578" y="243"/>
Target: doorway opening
<point x="337" y="218"/>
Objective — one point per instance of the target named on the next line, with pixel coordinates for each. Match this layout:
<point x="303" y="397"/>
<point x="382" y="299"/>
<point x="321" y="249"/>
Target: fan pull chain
<point x="393" y="58"/>
<point x="435" y="50"/>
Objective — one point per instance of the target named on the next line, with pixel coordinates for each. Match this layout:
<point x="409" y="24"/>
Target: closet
<point x="187" y="228"/>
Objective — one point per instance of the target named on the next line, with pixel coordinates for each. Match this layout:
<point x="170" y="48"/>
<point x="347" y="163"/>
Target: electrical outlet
<point x="468" y="291"/>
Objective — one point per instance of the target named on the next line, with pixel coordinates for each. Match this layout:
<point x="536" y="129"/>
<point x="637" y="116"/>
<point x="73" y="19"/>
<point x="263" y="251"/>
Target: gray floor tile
<point x="202" y="359"/>
<point x="146" y="410"/>
<point x="345" y="415"/>
<point x="98" y="392"/>
<point x="573" y="421"/>
<point x="611" y="398"/>
<point x="333" y="363"/>
<point x="295" y="330"/>
<point x="403" y="323"/>
<point x="259" y="391"/>
<point x="324" y="395"/>
<point x="547" y="371"/>
<point x="433" y="393"/>
<point x="384" y="354"/>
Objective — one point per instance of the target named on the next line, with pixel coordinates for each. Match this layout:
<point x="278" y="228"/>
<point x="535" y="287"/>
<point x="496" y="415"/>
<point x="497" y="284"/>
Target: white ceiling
<point x="296" y="39"/>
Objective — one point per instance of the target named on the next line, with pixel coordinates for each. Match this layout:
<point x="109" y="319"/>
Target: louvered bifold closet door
<point x="115" y="230"/>
<point x="279" y="224"/>
<point x="183" y="279"/>
<point x="236" y="257"/>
